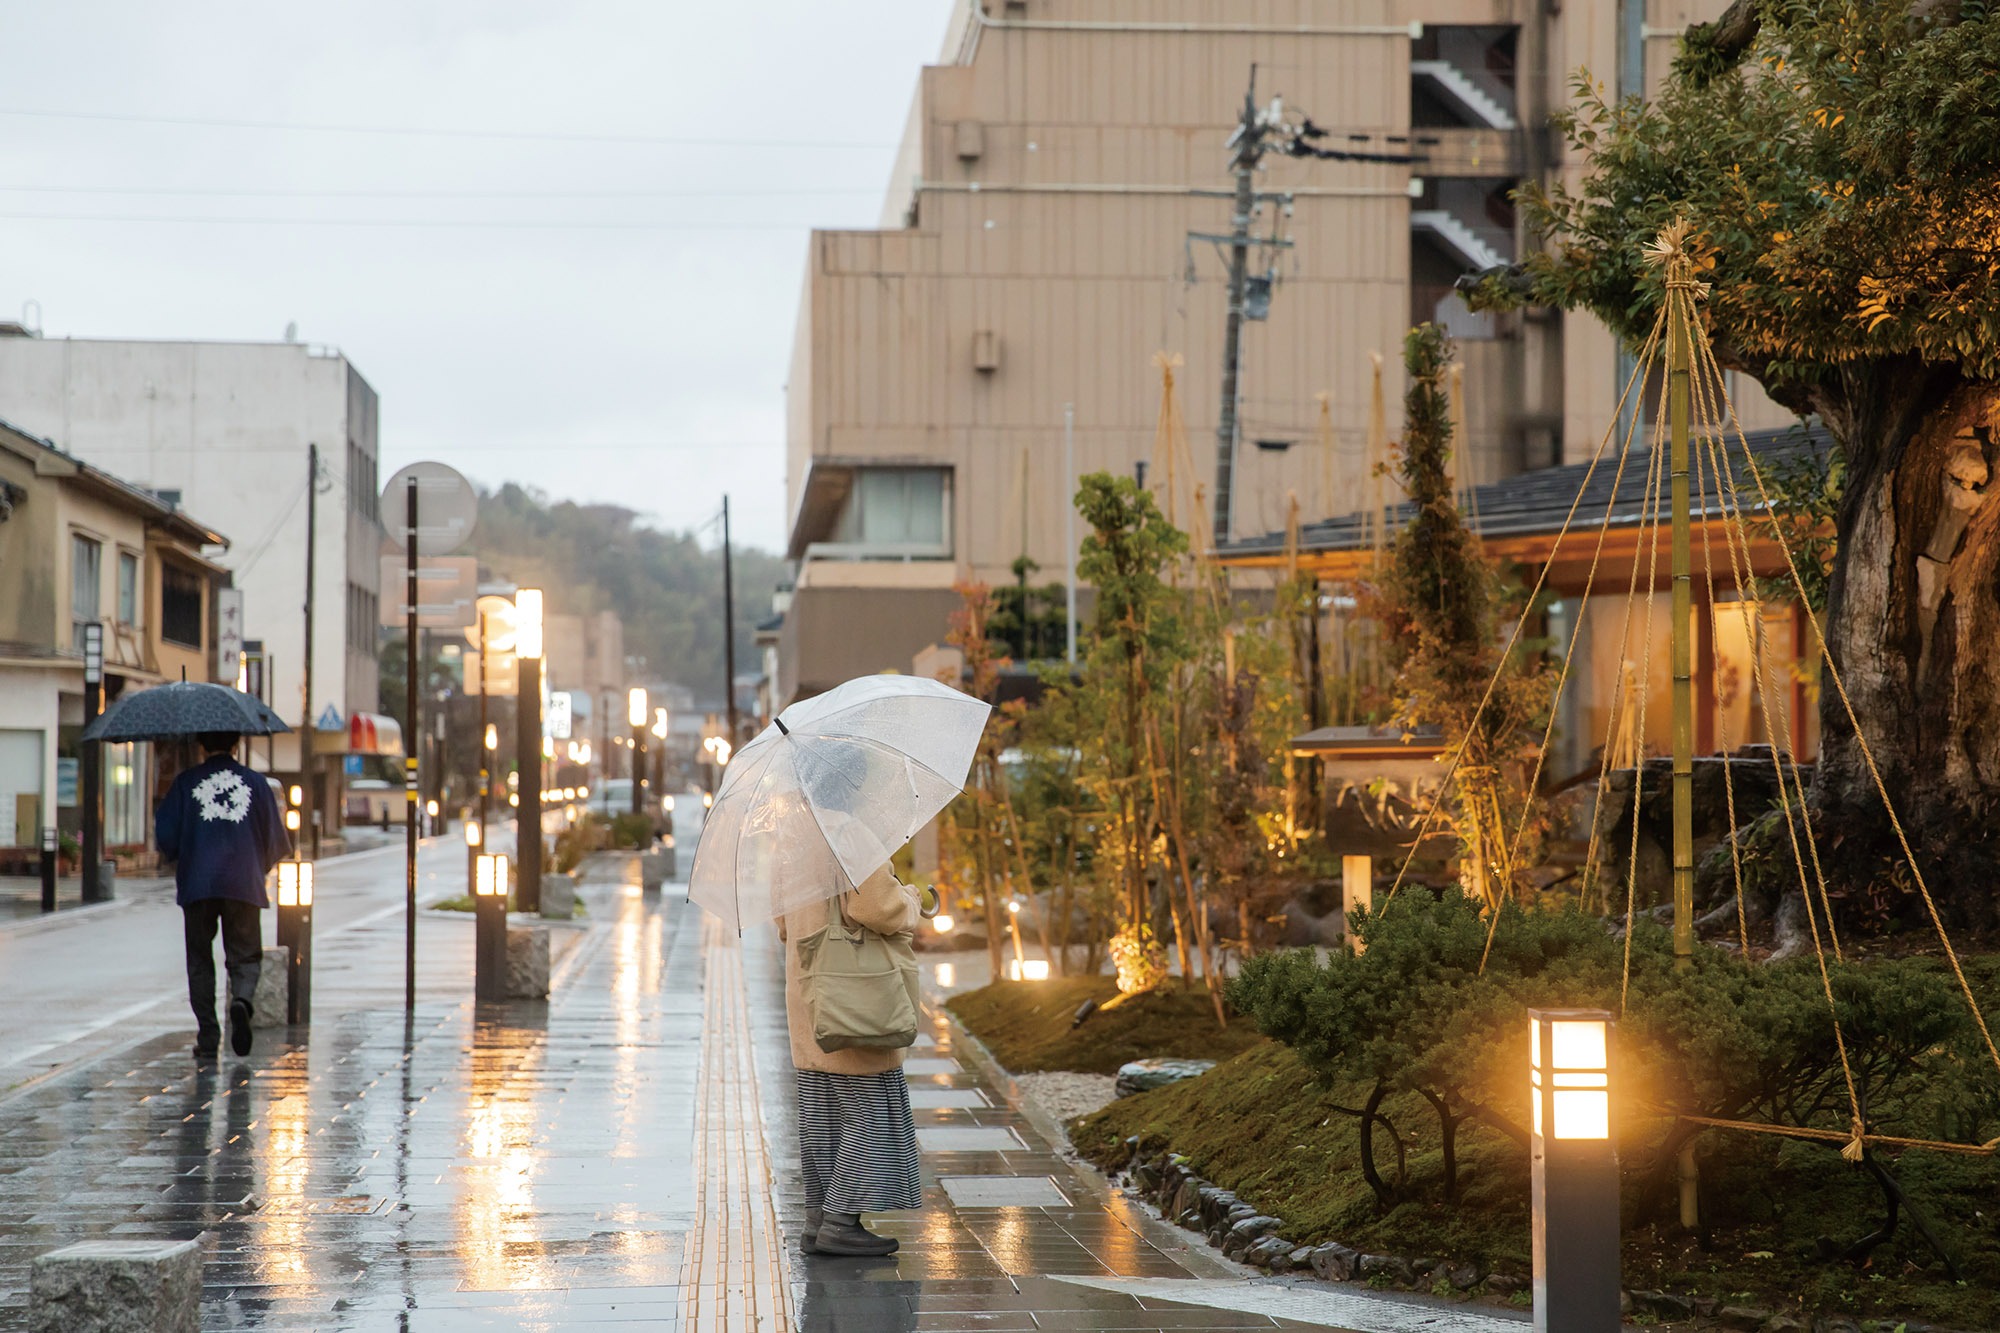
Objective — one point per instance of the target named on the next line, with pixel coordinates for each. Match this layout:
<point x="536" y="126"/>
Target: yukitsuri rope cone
<point x="1714" y="421"/>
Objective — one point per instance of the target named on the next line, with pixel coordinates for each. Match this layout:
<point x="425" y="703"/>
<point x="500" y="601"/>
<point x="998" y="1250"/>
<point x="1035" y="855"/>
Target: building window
<point x="180" y="606"/>
<point x="128" y="588"/>
<point x="86" y="574"/>
<point x="897" y="511"/>
<point x="362" y="609"/>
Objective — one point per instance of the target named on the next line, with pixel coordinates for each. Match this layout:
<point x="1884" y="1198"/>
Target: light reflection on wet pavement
<point x="621" y="1156"/>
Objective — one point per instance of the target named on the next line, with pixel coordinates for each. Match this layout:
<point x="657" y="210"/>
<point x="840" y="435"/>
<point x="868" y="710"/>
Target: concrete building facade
<point x="78" y="547"/>
<point x="1042" y="249"/>
<point x="225" y="429"/>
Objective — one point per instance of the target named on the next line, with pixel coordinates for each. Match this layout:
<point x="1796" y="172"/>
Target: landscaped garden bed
<point x="1328" y="1150"/>
<point x="1030" y="1026"/>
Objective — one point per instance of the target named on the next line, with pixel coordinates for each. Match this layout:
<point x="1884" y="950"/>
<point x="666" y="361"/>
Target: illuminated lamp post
<point x="489" y="910"/>
<point x="295" y="931"/>
<point x="528" y="746"/>
<point x="472" y="842"/>
<point x="1575" y="1163"/>
<point x="1023" y="967"/>
<point x="638" y="714"/>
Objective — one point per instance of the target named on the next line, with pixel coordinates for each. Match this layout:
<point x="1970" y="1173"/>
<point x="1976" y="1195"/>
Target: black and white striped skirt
<point x="858" y="1142"/>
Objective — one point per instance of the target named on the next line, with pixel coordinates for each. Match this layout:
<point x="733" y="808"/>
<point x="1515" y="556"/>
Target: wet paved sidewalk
<point x="620" y="1157"/>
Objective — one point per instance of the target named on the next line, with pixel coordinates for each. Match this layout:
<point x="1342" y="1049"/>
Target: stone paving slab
<point x="622" y="1156"/>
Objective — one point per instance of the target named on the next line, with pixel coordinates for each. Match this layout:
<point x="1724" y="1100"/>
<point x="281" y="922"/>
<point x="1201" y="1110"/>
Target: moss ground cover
<point x="1026" y="1024"/>
<point x="1263" y="1125"/>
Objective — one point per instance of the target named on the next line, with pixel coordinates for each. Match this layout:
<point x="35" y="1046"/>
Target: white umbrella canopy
<point x="825" y="795"/>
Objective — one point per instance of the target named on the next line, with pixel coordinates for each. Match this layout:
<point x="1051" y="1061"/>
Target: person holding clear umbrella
<point x="808" y="817"/>
<point x="857" y="1137"/>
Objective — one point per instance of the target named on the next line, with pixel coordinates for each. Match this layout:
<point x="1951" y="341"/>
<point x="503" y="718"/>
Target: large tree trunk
<point x="1913" y="623"/>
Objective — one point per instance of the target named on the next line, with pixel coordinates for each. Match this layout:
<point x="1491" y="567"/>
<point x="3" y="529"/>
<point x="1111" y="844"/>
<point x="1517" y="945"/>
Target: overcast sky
<point x="536" y="301"/>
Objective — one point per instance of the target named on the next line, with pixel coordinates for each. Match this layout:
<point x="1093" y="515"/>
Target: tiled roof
<point x="1536" y="502"/>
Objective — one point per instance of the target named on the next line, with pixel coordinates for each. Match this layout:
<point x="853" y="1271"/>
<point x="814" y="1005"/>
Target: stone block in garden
<point x="1146" y="1075"/>
<point x="527" y="963"/>
<point x="274" y="990"/>
<point x="558" y="897"/>
<point x="117" y="1286"/>
<point x="1335" y="1262"/>
<point x="1391" y="1266"/>
<point x="655" y="869"/>
<point x="1268" y="1252"/>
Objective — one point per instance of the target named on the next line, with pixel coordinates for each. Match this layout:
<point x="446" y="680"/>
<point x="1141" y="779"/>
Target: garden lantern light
<point x="295" y="904"/>
<point x="1575" y="1171"/>
<point x="489" y="909"/>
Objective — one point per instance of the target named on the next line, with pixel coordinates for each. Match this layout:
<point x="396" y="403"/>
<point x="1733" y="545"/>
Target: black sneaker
<point x="206" y="1048"/>
<point x="239" y="1026"/>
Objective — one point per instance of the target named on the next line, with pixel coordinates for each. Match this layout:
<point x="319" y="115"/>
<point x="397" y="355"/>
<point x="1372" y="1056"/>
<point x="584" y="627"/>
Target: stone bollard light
<point x="1575" y="1172"/>
<point x="489" y="908"/>
<point x="295" y="929"/>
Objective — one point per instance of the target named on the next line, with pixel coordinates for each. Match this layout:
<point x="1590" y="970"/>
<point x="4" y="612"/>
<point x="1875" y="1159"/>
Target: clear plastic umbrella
<point x="824" y="796"/>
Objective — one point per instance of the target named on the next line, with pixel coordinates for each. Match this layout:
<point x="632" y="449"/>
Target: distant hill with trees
<point x="665" y="586"/>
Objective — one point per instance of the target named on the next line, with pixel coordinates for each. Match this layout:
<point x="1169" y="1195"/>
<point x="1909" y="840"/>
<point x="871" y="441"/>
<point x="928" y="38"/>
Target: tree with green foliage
<point x="1840" y="164"/>
<point x="1138" y="641"/>
<point x="1436" y="598"/>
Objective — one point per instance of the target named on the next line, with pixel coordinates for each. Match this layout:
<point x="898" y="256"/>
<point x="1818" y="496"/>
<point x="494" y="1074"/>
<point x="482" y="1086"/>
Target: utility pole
<point x="485" y="750"/>
<point x="1069" y="533"/>
<point x="307" y="777"/>
<point x="1249" y="153"/>
<point x="729" y="628"/>
<point x="1258" y="132"/>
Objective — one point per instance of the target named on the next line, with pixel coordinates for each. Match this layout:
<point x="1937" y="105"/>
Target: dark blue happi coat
<point x="221" y="827"/>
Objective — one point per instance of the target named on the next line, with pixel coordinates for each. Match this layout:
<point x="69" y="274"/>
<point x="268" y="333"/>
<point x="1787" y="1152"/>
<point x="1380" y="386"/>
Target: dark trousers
<point x="242" y="953"/>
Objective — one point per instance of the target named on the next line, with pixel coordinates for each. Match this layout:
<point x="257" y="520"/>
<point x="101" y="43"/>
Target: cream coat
<point x="881" y="903"/>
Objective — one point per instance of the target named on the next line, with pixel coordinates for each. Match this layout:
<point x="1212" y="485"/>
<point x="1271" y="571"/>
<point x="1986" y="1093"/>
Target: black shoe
<point x="853" y="1241"/>
<point x="207" y="1048"/>
<point x="239" y="1026"/>
<point x="806" y="1238"/>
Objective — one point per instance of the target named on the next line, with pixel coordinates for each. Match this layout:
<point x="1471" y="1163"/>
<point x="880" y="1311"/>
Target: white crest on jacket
<point x="223" y="795"/>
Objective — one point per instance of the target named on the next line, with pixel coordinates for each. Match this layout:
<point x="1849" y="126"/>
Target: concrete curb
<point x="35" y="925"/>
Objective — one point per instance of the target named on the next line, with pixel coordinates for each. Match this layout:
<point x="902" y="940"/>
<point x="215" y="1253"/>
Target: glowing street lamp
<point x="528" y="745"/>
<point x="639" y="714"/>
<point x="295" y="901"/>
<point x="489" y="909"/>
<point x="1575" y="1171"/>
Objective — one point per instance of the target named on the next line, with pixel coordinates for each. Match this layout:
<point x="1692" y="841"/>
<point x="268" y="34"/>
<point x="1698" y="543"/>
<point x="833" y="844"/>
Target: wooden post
<point x="1357" y="892"/>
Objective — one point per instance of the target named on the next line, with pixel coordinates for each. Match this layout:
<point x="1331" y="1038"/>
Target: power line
<point x="434" y="132"/>
<point x="260" y="192"/>
<point x="474" y="224"/>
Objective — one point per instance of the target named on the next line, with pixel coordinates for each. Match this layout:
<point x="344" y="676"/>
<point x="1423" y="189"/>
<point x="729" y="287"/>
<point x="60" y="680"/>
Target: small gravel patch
<point x="1066" y="1096"/>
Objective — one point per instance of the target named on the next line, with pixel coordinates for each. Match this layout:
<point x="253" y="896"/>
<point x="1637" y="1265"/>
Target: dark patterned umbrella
<point x="185" y="708"/>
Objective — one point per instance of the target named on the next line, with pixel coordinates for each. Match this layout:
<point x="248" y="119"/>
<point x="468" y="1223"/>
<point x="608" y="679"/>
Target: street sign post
<point x="437" y="494"/>
<point x="447" y="506"/>
<point x="447" y="587"/>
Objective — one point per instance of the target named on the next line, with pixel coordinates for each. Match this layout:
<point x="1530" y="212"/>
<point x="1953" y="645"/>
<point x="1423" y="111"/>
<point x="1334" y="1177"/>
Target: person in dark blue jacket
<point x="221" y="827"/>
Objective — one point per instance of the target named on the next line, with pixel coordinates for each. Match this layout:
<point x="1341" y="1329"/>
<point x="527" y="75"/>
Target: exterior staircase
<point x="1476" y="254"/>
<point x="1456" y="87"/>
